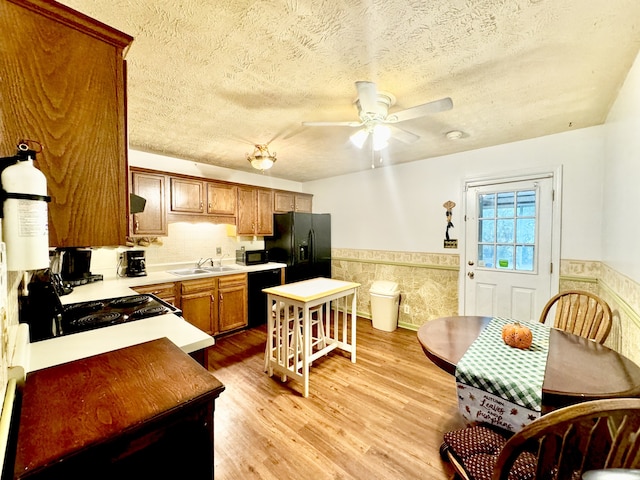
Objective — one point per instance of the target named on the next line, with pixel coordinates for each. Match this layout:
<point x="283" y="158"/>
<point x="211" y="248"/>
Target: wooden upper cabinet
<point x="187" y="196"/>
<point x="153" y="221"/>
<point x="255" y="211"/>
<point x="303" y="202"/>
<point x="291" y="202"/>
<point x="264" y="211"/>
<point x="63" y="84"/>
<point x="222" y="199"/>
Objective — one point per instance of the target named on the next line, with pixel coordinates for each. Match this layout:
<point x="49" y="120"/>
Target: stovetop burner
<point x="96" y="319"/>
<point x="83" y="307"/>
<point x="131" y="301"/>
<point x="149" y="311"/>
<point x="83" y="316"/>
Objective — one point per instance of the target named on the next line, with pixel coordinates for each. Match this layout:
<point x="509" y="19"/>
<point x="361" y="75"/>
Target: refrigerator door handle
<point x="312" y="247"/>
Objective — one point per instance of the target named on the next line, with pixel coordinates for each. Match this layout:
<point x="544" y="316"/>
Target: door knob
<point x="471" y="275"/>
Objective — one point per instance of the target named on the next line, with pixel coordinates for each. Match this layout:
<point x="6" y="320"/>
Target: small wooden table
<point x="289" y="349"/>
<point x="577" y="370"/>
<point x="144" y="411"/>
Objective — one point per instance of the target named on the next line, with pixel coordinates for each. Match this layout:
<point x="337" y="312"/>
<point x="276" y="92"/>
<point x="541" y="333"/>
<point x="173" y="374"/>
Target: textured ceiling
<point x="208" y="79"/>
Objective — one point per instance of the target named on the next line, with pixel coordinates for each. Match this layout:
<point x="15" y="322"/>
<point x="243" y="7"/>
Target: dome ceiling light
<point x="261" y="159"/>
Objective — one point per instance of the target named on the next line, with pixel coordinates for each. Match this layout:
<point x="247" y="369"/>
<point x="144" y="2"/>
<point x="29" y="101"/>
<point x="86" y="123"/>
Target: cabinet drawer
<point x="234" y="279"/>
<point x="193" y="286"/>
<point x="164" y="291"/>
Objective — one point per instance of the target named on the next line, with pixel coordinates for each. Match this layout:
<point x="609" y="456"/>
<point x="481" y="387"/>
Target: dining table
<point x="577" y="369"/>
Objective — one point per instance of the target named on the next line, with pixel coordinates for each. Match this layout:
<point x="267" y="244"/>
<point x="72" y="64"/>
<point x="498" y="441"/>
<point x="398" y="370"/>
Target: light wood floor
<point x="380" y="418"/>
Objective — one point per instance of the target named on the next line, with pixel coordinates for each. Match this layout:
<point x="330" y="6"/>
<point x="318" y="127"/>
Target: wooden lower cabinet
<point x="198" y="303"/>
<point x="215" y="305"/>
<point x="233" y="302"/>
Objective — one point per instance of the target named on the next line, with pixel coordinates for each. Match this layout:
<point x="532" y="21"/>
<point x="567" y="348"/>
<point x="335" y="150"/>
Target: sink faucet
<point x="201" y="262"/>
<point x="219" y="260"/>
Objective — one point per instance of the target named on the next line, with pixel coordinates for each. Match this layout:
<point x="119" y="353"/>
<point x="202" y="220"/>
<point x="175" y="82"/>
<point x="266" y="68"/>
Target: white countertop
<point x="64" y="349"/>
<point x="309" y="290"/>
<point x="59" y="350"/>
<point x="121" y="286"/>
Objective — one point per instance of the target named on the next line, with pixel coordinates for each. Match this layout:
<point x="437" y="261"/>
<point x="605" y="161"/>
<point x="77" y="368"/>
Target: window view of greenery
<point x="507" y="230"/>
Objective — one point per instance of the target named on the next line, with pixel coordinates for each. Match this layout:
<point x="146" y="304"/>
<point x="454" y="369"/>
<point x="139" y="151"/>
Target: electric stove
<point x="83" y="316"/>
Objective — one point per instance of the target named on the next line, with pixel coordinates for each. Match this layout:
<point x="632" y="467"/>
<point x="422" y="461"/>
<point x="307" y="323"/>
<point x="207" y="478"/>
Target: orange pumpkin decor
<point x="517" y="335"/>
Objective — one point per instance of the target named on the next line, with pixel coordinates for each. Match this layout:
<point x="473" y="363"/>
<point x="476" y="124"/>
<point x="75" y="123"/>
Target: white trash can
<point x="385" y="297"/>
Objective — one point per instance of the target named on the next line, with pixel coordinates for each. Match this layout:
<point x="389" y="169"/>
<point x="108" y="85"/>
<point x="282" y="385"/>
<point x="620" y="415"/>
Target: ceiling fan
<point x="375" y="119"/>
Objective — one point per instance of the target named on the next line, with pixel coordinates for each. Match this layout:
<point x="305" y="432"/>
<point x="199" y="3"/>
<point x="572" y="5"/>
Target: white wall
<point x="400" y="207"/>
<point x="621" y="212"/>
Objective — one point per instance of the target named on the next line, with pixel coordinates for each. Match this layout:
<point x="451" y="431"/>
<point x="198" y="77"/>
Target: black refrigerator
<point x="303" y="242"/>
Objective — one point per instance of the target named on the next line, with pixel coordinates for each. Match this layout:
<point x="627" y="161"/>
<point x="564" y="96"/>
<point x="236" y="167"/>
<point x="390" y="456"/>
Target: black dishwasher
<point x="257" y="298"/>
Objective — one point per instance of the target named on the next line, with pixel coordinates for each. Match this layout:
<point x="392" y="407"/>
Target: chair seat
<point x="475" y="450"/>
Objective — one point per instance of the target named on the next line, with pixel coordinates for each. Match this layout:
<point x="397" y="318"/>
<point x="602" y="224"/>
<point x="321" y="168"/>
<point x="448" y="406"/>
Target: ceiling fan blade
<point x="403" y="135"/>
<point x="420" y="110"/>
<point x="367" y="96"/>
<point x="332" y="124"/>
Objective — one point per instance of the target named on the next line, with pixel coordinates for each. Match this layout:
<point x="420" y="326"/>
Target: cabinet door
<point x="153" y="221"/>
<point x="221" y="199"/>
<point x="264" y="212"/>
<point x="73" y="103"/>
<point x="164" y="291"/>
<point x="187" y="196"/>
<point x="198" y="304"/>
<point x="246" y="222"/>
<point x="303" y="203"/>
<point x="232" y="306"/>
<point x="283" y="202"/>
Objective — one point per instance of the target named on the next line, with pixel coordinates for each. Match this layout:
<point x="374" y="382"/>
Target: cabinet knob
<point x="136" y="226"/>
<point x="213" y="299"/>
<point x="201" y="205"/>
<point x="210" y="206"/>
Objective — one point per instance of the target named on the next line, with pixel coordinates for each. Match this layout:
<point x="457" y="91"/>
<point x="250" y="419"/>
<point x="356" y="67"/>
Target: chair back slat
<point x="580" y="313"/>
<point x="588" y="436"/>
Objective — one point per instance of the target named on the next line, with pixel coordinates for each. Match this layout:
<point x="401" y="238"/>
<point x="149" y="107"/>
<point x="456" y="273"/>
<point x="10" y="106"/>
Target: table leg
<point x="306" y="346"/>
<point x="353" y="328"/>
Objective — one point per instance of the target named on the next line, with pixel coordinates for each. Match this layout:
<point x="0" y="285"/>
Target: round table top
<point x="577" y="369"/>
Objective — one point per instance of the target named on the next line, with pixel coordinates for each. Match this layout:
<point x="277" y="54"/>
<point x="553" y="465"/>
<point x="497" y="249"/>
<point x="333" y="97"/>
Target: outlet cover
<point x="407" y="309"/>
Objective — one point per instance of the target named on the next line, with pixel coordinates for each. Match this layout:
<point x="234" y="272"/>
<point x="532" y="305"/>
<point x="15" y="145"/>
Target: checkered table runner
<point x="499" y="384"/>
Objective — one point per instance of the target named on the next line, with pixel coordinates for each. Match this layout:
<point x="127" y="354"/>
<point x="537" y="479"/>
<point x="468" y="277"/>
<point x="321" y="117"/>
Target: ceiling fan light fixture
<point x="359" y="138"/>
<point x="379" y="143"/>
<point x="261" y="159"/>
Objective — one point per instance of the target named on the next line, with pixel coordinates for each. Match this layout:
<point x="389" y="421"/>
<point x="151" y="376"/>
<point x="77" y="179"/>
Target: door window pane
<point x="507" y="230"/>
<point x="526" y="231"/>
<point x="524" y="258"/>
<point x="486" y="256"/>
<point x="505" y="256"/>
<point x="505" y="204"/>
<point x="487" y="206"/>
<point x="487" y="231"/>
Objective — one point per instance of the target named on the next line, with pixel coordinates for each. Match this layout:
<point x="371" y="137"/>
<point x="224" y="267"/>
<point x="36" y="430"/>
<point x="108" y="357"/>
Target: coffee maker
<point x="136" y="264"/>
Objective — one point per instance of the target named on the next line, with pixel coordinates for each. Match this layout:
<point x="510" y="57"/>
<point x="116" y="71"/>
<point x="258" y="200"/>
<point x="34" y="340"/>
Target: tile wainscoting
<point x="428" y="282"/>
<point x="428" y="285"/>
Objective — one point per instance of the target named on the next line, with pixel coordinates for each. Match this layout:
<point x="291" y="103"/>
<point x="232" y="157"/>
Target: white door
<point x="509" y="248"/>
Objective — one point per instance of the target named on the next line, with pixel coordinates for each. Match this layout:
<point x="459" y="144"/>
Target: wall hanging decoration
<point x="449" y="242"/>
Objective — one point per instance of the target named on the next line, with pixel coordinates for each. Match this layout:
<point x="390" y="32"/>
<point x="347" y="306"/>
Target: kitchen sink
<point x="189" y="271"/>
<point x="185" y="272"/>
<point x="218" y="269"/>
